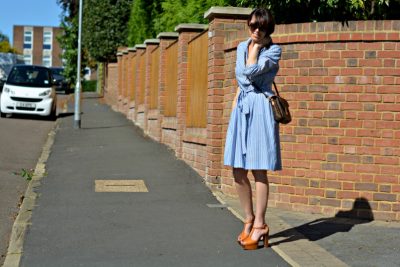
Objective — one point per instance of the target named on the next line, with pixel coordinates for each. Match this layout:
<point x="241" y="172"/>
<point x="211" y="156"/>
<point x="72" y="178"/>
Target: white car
<point x="29" y="89"/>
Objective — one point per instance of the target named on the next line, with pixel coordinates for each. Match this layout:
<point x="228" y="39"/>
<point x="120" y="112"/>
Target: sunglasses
<point x="256" y="25"/>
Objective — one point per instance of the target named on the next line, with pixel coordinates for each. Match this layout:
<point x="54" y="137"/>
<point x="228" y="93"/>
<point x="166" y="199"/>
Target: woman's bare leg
<point x="262" y="193"/>
<point x="243" y="188"/>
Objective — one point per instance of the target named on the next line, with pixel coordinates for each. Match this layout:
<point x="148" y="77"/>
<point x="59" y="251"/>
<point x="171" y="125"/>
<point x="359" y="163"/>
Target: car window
<point x="32" y="77"/>
<point x="57" y="71"/>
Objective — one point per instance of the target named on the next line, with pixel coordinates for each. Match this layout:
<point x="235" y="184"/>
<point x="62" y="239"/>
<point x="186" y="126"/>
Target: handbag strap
<point x="259" y="90"/>
<point x="276" y="89"/>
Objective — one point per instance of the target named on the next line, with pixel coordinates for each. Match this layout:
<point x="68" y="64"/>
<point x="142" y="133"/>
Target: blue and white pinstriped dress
<point x="252" y="140"/>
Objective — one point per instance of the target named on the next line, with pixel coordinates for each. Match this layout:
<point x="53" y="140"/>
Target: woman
<point x="252" y="141"/>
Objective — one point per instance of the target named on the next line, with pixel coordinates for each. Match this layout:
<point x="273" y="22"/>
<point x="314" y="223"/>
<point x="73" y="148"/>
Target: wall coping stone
<point x="165" y="35"/>
<point x="131" y="49"/>
<point x="125" y="51"/>
<point x="119" y="54"/>
<point x="152" y="41"/>
<point x="140" y="46"/>
<point x="191" y="27"/>
<point x="227" y="12"/>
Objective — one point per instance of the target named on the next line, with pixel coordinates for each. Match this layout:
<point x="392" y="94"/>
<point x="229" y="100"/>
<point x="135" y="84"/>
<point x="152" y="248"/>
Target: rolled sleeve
<point x="267" y="60"/>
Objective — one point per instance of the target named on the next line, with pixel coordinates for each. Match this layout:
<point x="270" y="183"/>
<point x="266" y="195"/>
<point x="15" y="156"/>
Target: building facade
<point x="39" y="45"/>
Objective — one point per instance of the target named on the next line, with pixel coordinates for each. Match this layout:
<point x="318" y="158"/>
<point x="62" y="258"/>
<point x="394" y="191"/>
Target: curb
<point x="15" y="247"/>
<point x="23" y="220"/>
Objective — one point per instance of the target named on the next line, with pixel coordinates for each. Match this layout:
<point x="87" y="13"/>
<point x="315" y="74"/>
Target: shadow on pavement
<point x="66" y="114"/>
<point x="17" y="116"/>
<point x="318" y="229"/>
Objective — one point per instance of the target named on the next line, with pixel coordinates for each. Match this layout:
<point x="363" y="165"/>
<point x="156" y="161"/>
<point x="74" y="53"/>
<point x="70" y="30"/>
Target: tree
<point x="70" y="7"/>
<point x="287" y="11"/>
<point x="69" y="43"/>
<point x="3" y="37"/>
<point x="5" y="46"/>
<point x="105" y="28"/>
<point x="140" y="26"/>
<point x="148" y="18"/>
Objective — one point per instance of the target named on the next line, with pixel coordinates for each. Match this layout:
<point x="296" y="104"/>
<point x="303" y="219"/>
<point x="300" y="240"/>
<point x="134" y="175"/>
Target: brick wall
<point x="37" y="46"/>
<point x="18" y="38"/>
<point x="57" y="50"/>
<point x="131" y="83"/>
<point x="167" y="124"/>
<point x="342" y="83"/>
<point x="153" y="124"/>
<point x="110" y="90"/>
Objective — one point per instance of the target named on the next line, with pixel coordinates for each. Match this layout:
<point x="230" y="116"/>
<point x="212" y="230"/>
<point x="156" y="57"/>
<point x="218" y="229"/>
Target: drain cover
<point x="120" y="186"/>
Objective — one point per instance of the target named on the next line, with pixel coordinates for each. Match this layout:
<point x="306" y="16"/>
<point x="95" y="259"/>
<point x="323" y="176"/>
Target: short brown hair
<point x="264" y="19"/>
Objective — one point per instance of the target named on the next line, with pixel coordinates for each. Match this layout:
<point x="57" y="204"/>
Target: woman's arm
<point x="258" y="64"/>
<point x="253" y="54"/>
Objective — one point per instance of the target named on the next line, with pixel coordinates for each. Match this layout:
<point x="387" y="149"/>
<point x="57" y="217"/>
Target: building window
<point x="47" y="40"/>
<point x="28" y="39"/>
<point x="46" y="61"/>
<point x="28" y="59"/>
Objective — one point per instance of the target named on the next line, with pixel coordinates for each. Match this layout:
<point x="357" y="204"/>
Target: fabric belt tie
<point x="244" y="109"/>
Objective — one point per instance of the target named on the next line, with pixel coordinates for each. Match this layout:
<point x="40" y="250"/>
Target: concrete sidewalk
<point x="175" y="221"/>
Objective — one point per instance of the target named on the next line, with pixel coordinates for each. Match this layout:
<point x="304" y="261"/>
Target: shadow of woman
<point x="318" y="229"/>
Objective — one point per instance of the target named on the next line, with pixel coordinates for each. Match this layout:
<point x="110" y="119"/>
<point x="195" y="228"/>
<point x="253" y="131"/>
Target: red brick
<point x="314" y="192"/>
<point x="330" y="202"/>
<point x="385" y="197"/>
<point x="299" y="199"/>
<point x="391" y="179"/>
<point x="348" y="195"/>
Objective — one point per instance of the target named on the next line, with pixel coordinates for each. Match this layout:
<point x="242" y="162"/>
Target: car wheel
<point x="2" y="115"/>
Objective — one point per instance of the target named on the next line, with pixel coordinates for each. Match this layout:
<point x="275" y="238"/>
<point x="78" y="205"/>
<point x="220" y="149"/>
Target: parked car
<point x="2" y="82"/>
<point x="29" y="89"/>
<point x="62" y="85"/>
<point x="3" y="78"/>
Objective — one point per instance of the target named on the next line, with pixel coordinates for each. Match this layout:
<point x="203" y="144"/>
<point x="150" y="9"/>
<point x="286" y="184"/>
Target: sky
<point x="28" y="12"/>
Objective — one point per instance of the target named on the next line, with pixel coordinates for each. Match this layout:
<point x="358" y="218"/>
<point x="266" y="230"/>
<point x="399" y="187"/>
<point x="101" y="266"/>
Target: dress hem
<point x="253" y="169"/>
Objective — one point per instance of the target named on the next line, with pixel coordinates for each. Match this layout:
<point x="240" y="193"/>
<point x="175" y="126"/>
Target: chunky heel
<point x="250" y="244"/>
<point x="266" y="239"/>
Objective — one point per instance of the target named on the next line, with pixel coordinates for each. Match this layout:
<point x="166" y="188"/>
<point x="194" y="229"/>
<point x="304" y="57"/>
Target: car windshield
<point x="31" y="76"/>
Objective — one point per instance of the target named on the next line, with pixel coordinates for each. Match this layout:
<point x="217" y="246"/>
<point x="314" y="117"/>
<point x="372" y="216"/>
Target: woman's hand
<point x="255" y="48"/>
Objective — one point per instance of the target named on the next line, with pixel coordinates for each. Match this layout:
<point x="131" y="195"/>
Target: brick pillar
<point x="111" y="88"/>
<point x="166" y="39"/>
<point x="138" y="117"/>
<point x="186" y="33"/>
<point x="222" y="22"/>
<point x="119" y="85"/>
<point x="151" y="116"/>
<point x="131" y="82"/>
<point x="124" y="100"/>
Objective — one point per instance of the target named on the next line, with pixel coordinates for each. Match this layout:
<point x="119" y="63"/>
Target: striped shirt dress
<point x="252" y="140"/>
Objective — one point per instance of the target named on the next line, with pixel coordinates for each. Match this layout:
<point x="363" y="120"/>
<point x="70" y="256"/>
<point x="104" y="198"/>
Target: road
<point x="21" y="142"/>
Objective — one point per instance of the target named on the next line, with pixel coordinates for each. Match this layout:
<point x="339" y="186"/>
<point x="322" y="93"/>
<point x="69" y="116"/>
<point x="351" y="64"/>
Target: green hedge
<point x="89" y="86"/>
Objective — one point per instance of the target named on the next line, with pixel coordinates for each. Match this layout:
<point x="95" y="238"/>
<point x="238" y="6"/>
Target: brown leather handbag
<point x="280" y="107"/>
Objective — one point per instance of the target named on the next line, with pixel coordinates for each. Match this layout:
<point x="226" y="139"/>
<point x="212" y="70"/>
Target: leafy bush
<point x="89" y="86"/>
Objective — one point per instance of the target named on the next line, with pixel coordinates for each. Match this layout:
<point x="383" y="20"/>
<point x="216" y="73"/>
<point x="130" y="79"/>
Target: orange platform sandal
<point x="243" y="235"/>
<point x="250" y="244"/>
